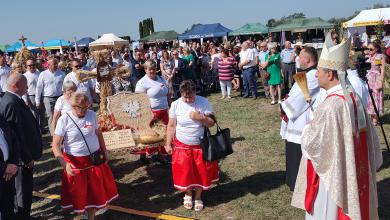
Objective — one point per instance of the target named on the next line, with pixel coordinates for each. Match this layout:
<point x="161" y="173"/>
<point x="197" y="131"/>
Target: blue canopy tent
<point x="83" y="42"/>
<point x="13" y="47"/>
<point x="205" y="31"/>
<point x="55" y="44"/>
<point x="17" y="46"/>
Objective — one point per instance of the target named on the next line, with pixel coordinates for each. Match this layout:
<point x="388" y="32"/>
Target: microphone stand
<point x="377" y="113"/>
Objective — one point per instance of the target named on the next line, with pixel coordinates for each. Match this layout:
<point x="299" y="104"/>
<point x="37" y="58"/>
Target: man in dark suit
<point x="9" y="157"/>
<point x="178" y="70"/>
<point x="24" y="124"/>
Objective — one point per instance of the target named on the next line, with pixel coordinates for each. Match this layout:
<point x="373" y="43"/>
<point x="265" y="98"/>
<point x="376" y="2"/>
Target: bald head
<point x="244" y="45"/>
<point x="287" y="44"/>
<point x="17" y="83"/>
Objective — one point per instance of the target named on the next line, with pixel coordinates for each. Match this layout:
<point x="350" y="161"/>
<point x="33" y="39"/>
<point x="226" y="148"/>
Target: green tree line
<point x="146" y="27"/>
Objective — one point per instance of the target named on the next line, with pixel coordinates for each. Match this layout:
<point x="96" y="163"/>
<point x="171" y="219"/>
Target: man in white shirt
<point x="116" y="58"/>
<point x="32" y="75"/>
<point x="288" y="65"/>
<point x="86" y="87"/>
<point x="247" y="64"/>
<point x="262" y="66"/>
<point x="4" y="72"/>
<point x="49" y="86"/>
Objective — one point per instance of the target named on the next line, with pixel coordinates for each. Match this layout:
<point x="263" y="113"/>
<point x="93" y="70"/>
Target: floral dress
<point x="373" y="77"/>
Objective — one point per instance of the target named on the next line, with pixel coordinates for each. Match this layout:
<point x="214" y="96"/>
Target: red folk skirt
<point x="90" y="187"/>
<point x="189" y="170"/>
<point x="161" y="115"/>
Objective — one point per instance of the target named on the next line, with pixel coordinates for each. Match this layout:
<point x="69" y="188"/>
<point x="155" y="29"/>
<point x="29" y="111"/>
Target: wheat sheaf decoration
<point x="85" y="75"/>
<point x="301" y="80"/>
<point x="23" y="55"/>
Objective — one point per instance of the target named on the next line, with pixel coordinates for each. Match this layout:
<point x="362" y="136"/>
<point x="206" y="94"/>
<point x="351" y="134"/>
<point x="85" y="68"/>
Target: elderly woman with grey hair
<point x="62" y="105"/>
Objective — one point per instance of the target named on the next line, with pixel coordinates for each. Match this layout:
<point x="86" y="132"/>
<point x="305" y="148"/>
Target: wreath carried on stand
<point x="123" y="111"/>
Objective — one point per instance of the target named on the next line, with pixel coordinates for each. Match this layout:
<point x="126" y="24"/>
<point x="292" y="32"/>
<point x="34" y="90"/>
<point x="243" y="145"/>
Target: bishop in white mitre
<point x="340" y="149"/>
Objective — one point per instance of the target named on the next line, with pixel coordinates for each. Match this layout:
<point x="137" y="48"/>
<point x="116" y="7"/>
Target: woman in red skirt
<point x="85" y="187"/>
<point x="187" y="118"/>
<point x="156" y="88"/>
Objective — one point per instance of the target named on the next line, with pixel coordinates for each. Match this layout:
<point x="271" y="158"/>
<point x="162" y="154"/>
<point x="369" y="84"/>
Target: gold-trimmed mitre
<point x="334" y="57"/>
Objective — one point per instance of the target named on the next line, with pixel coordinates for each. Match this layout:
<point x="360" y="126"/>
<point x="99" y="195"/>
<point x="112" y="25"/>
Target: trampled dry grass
<point x="252" y="179"/>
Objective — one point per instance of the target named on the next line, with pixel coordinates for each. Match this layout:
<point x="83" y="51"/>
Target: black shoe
<point x="163" y="160"/>
<point x="143" y="159"/>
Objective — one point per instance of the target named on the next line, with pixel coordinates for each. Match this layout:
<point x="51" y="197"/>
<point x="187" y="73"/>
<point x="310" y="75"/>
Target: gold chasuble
<point x="340" y="150"/>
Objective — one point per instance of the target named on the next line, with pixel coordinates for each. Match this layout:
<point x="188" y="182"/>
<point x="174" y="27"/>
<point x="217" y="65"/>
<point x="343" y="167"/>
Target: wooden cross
<point x="23" y="39"/>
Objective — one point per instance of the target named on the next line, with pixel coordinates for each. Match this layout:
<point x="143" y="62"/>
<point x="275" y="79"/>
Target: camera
<point x="362" y="66"/>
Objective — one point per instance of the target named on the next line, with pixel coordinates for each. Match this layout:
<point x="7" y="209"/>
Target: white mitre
<point x="334" y="57"/>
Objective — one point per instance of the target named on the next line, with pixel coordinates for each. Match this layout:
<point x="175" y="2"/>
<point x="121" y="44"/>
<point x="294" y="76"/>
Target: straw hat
<point x="272" y="45"/>
<point x="299" y="43"/>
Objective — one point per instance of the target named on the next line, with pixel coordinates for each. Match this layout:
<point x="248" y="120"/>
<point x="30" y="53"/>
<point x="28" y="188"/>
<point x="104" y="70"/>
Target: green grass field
<point x="252" y="179"/>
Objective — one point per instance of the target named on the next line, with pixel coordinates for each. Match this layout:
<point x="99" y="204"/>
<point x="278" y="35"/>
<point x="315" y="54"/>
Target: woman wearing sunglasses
<point x="376" y="76"/>
<point x="85" y="186"/>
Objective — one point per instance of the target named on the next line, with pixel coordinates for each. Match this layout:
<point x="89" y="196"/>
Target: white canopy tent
<point x="369" y="17"/>
<point x="108" y="41"/>
<point x="365" y="20"/>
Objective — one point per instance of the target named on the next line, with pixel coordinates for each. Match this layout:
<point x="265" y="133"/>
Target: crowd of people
<point x="204" y="64"/>
<point x="44" y="94"/>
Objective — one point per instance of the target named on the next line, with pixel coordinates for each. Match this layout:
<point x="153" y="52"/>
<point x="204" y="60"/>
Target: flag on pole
<point x="283" y="38"/>
<point x="75" y="46"/>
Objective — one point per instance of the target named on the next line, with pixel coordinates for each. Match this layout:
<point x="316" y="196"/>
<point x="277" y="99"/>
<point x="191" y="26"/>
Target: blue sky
<point x="40" y="20"/>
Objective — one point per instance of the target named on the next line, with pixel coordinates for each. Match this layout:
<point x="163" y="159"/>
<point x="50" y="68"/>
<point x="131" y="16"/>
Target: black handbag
<point x="98" y="157"/>
<point x="216" y="146"/>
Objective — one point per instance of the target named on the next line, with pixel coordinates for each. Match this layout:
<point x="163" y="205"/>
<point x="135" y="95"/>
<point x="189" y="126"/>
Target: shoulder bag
<point x="97" y="157"/>
<point x="216" y="146"/>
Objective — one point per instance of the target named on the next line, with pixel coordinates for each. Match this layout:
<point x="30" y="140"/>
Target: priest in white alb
<point x="340" y="149"/>
<point x="295" y="113"/>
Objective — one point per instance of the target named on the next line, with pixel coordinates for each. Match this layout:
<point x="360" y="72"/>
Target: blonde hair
<point x="15" y="65"/>
<point x="51" y="58"/>
<point x="79" y="99"/>
<point x="187" y="50"/>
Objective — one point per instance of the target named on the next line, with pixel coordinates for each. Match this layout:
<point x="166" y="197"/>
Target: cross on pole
<point x="23" y="39"/>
